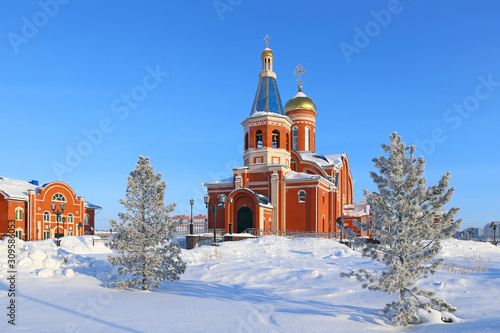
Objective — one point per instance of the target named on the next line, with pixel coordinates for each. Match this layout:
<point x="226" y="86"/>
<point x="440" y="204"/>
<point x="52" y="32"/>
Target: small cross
<point x="299" y="70"/>
<point x="266" y="39"/>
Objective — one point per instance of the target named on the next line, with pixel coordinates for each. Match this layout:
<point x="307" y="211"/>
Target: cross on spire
<point x="298" y="71"/>
<point x="266" y="39"/>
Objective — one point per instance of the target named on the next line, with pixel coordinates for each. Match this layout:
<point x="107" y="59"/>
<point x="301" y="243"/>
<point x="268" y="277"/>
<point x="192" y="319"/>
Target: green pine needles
<point x="409" y="222"/>
<point x="146" y="253"/>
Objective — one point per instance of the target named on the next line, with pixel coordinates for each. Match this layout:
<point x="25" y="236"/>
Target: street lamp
<point x="80" y="226"/>
<point x="58" y="213"/>
<point x="191" y="224"/>
<point x="340" y="223"/>
<point x="215" y="208"/>
<point x="230" y="224"/>
<point x="494" y="227"/>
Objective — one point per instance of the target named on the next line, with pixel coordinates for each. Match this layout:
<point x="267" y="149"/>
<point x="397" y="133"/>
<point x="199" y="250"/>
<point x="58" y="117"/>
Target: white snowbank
<point x="266" y="284"/>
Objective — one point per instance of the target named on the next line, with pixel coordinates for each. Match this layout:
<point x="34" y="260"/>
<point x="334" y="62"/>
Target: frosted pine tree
<point x="404" y="222"/>
<point x="146" y="254"/>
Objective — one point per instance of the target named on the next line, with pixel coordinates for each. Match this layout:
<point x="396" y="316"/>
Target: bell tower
<point x="267" y="129"/>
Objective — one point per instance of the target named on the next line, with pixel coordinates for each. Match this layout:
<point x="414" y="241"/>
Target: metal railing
<point x="293" y="233"/>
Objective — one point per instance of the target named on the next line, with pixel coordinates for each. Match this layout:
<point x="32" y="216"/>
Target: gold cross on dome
<point x="266" y="39"/>
<point x="299" y="70"/>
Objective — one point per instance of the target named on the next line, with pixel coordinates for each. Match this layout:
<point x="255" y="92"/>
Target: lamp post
<point x="494" y="227"/>
<point x="230" y="215"/>
<point x="340" y="223"/>
<point x="58" y="213"/>
<point x="215" y="207"/>
<point x="191" y="224"/>
<point x="80" y="226"/>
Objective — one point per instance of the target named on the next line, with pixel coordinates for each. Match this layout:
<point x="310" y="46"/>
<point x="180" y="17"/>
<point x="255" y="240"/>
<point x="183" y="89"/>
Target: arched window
<point x="258" y="139"/>
<point x="295" y="137"/>
<point x="302" y="196"/>
<point x="70" y="218"/>
<point x="306" y="148"/>
<point x="58" y="197"/>
<point x="287" y="143"/>
<point x="46" y="217"/>
<point x="323" y="197"/>
<point x="19" y="214"/>
<point x="86" y="219"/>
<point x="276" y="139"/>
<point x="246" y="141"/>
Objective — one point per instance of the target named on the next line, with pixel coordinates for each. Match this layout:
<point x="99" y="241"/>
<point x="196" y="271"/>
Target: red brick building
<point x="29" y="204"/>
<point x="284" y="183"/>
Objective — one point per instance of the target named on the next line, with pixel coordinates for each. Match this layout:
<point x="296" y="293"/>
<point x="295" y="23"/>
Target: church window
<point x="246" y="141"/>
<point x="307" y="139"/>
<point x="86" y="219"/>
<point x="287" y="142"/>
<point x="258" y="139"/>
<point x="70" y="218"/>
<point x="302" y="196"/>
<point x="19" y="214"/>
<point x="295" y="138"/>
<point x="276" y="139"/>
<point x="46" y="217"/>
<point x="58" y="197"/>
<point x="323" y="197"/>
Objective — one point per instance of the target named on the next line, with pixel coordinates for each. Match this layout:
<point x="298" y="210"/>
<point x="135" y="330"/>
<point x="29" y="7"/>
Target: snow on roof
<point x="90" y="205"/>
<point x="18" y="189"/>
<point x="15" y="188"/>
<point x="220" y="182"/>
<point x="322" y="160"/>
<point x="264" y="113"/>
<point x="300" y="175"/>
<point x="356" y="210"/>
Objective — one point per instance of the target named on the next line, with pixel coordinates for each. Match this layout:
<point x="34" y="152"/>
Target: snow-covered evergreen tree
<point x="147" y="254"/>
<point x="404" y="222"/>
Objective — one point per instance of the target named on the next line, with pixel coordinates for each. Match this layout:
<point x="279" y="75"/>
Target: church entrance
<point x="244" y="219"/>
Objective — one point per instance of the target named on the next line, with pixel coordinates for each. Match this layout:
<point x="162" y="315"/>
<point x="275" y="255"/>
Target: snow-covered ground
<point x="269" y="284"/>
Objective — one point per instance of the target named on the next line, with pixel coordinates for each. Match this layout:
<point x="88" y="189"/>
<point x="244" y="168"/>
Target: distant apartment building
<point x="183" y="221"/>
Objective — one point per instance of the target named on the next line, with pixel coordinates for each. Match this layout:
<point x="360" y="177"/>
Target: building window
<point x="246" y="141"/>
<point x="19" y="234"/>
<point x="287" y="143"/>
<point x="86" y="219"/>
<point x="46" y="217"/>
<point x="70" y="218"/>
<point x="258" y="139"/>
<point x="70" y="233"/>
<point x="302" y="196"/>
<point x="295" y="138"/>
<point x="307" y="139"/>
<point x="276" y="139"/>
<point x="46" y="234"/>
<point x="58" y="197"/>
<point x="323" y="197"/>
<point x="19" y="214"/>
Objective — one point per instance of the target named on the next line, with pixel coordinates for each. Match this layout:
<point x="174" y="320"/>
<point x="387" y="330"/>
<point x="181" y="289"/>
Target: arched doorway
<point x="244" y="219"/>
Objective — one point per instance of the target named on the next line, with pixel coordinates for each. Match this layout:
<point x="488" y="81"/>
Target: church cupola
<point x="267" y="98"/>
<point x="267" y="129"/>
<point x="302" y="111"/>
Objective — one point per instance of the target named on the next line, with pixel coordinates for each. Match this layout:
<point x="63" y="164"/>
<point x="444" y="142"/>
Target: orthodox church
<point x="284" y="183"/>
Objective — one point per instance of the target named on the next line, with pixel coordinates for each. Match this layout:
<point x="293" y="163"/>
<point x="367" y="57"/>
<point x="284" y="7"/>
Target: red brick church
<point x="284" y="183"/>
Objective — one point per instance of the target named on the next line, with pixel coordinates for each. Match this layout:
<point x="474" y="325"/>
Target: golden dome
<point x="300" y="101"/>
<point x="267" y="52"/>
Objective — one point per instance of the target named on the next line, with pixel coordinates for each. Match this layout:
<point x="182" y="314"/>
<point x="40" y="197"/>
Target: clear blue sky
<point x="69" y="69"/>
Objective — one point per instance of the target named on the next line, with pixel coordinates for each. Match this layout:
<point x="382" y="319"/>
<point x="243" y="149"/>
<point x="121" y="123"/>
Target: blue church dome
<point x="267" y="98"/>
